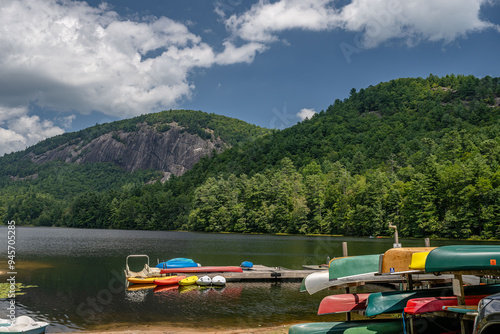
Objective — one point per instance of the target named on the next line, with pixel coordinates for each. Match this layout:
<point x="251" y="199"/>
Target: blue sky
<point x="66" y="65"/>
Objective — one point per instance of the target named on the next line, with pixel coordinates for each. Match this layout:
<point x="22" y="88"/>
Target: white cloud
<point x="25" y="131"/>
<point x="306" y="113"/>
<point x="377" y="20"/>
<point x="68" y="56"/>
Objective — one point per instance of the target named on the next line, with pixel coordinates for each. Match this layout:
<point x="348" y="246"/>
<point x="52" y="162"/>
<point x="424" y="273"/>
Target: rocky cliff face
<point x="173" y="152"/>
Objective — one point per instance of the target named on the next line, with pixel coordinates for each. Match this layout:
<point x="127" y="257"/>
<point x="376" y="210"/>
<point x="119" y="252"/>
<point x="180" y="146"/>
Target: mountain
<point x="170" y="142"/>
<point x="421" y="153"/>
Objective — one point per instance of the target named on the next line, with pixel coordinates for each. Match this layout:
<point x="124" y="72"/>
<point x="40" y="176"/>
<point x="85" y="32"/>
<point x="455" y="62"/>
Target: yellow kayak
<point x="188" y="280"/>
<point x="418" y="260"/>
<point x="145" y="280"/>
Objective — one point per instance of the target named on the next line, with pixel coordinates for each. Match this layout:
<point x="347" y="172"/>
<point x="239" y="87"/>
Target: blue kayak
<point x="177" y="263"/>
<point x="246" y="264"/>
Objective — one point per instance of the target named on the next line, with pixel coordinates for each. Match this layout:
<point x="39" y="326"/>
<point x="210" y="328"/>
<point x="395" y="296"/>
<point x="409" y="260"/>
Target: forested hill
<point x="421" y="153"/>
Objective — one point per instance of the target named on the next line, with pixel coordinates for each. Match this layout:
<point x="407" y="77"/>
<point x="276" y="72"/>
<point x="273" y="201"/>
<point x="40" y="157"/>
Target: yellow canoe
<point x="399" y="259"/>
<point x="418" y="260"/>
<point x="188" y="280"/>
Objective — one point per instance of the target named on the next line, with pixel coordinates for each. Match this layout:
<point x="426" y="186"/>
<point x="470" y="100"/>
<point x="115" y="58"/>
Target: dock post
<point x="347" y="289"/>
<point x="427" y="242"/>
<point x="344" y="249"/>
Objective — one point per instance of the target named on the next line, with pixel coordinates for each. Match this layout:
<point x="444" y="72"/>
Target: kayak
<point x="212" y="269"/>
<point x="418" y="261"/>
<point x="354" y="265"/>
<point x="204" y="280"/>
<point x="347" y="302"/>
<point x="218" y="280"/>
<point x="362" y="326"/>
<point x="177" y="264"/>
<point x="142" y="280"/>
<point x="169" y="280"/>
<point x="397" y="260"/>
<point x="395" y="301"/>
<point x="188" y="280"/>
<point x="435" y="304"/>
<point x="463" y="258"/>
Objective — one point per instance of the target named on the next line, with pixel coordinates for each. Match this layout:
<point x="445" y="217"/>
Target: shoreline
<point x="169" y="329"/>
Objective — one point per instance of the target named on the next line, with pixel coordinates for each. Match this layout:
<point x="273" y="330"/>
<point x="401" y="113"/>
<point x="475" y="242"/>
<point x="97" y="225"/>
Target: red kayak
<point x="435" y="304"/>
<point x="343" y="303"/>
<point x="169" y="280"/>
<point x="219" y="269"/>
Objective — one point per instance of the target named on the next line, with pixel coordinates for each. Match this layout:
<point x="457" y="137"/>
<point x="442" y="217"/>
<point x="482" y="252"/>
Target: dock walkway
<point x="262" y="273"/>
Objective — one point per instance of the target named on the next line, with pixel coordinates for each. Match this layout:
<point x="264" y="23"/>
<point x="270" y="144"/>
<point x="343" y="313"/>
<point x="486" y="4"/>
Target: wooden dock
<point x="260" y="273"/>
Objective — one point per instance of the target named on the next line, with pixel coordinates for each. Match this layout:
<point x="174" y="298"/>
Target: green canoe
<point x="428" y="325"/>
<point x="395" y="301"/>
<point x="354" y="265"/>
<point x="353" y="327"/>
<point x="463" y="258"/>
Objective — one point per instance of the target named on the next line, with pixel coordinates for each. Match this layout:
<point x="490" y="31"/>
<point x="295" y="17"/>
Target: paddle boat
<point x="204" y="280"/>
<point x="23" y="324"/>
<point x="218" y="280"/>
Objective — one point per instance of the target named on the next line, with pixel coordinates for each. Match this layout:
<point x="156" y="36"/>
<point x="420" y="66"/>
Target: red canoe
<point x="168" y="280"/>
<point x="435" y="304"/>
<point x="343" y="303"/>
<point x="219" y="269"/>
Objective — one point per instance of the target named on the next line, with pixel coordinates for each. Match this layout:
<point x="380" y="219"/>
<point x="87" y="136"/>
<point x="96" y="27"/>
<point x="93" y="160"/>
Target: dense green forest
<point x="421" y="153"/>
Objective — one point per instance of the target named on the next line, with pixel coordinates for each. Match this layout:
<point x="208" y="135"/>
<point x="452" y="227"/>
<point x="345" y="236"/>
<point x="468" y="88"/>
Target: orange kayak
<point x="169" y="280"/>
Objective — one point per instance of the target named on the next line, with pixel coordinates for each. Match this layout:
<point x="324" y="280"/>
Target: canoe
<point x="354" y="265"/>
<point x="397" y="260"/>
<point x="204" y="280"/>
<point x="346" y="302"/>
<point x="315" y="282"/>
<point x="142" y="280"/>
<point x="395" y="301"/>
<point x="213" y="269"/>
<point x="429" y="325"/>
<point x="188" y="280"/>
<point x="23" y="324"/>
<point x="218" y="280"/>
<point x="463" y="258"/>
<point x="418" y="261"/>
<point x="169" y="280"/>
<point x="363" y="326"/>
<point x="435" y="304"/>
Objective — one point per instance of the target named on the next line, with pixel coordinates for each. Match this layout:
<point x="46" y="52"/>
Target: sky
<point x="67" y="65"/>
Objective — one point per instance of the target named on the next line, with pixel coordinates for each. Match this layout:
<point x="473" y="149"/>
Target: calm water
<point x="81" y="285"/>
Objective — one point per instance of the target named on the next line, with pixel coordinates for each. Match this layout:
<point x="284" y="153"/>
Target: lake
<point x="80" y="285"/>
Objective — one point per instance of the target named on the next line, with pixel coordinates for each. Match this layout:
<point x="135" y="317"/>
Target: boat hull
<point x="170" y="280"/>
<point x="348" y="302"/>
<point x="463" y="258"/>
<point x="212" y="269"/>
<point x="435" y="304"/>
<point x="399" y="259"/>
<point x="395" y="301"/>
<point x="354" y="265"/>
<point x="358" y="327"/>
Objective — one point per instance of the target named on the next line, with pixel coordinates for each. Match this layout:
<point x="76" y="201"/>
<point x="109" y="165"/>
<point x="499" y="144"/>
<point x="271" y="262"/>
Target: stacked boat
<point x="440" y="289"/>
<point x="174" y="272"/>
